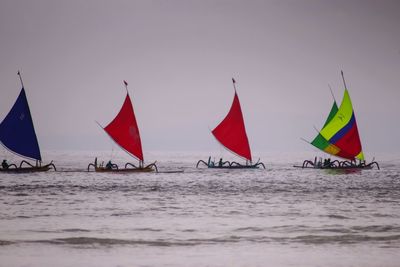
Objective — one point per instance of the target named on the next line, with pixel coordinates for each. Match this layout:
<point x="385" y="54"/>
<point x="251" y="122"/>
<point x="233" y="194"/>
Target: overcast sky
<point x="179" y="56"/>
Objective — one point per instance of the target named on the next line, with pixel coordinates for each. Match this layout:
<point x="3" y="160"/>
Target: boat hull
<point x="337" y="165"/>
<point x="114" y="168"/>
<point x="228" y="165"/>
<point x="125" y="170"/>
<point x="335" y="168"/>
<point x="235" y="167"/>
<point x="27" y="169"/>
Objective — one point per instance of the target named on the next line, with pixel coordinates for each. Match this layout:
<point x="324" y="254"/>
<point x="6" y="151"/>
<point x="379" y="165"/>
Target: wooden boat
<point x="114" y="168"/>
<point x="231" y="134"/>
<point x="18" y="135"/>
<point x="125" y="132"/>
<point x="339" y="137"/>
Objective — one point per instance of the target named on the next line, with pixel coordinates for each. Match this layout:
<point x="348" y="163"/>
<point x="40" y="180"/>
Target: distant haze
<point x="179" y="57"/>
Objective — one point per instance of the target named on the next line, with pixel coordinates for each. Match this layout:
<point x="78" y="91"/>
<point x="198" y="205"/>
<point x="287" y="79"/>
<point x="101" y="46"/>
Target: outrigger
<point x="231" y="133"/>
<point x="18" y="135"/>
<point x="339" y="137"/>
<point x="125" y="132"/>
<point x="337" y="164"/>
<point x="112" y="167"/>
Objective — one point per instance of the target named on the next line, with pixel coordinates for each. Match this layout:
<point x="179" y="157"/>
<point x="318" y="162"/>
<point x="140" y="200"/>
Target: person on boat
<point x="319" y="163"/>
<point x="4" y="164"/>
<point x="220" y="162"/>
<point x="109" y="165"/>
<point x="327" y="162"/>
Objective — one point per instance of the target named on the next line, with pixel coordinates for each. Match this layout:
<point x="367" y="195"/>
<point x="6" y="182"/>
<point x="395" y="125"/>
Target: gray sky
<point x="179" y="57"/>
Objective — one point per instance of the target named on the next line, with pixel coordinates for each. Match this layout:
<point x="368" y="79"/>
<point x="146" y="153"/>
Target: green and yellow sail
<point x="339" y="135"/>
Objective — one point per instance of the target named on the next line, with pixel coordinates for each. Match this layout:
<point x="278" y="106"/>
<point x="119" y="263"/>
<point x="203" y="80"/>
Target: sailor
<point x="220" y="162"/>
<point x="109" y="165"/>
<point x="319" y="163"/>
<point x="4" y="164"/>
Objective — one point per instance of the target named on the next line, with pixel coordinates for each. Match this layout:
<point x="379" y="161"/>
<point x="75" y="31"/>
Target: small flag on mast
<point x="126" y="84"/>
<point x="233" y="80"/>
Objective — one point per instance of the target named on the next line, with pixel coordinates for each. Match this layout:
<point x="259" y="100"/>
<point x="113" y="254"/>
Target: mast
<point x="23" y="88"/>
<point x="234" y="87"/>
<point x="20" y="78"/>
<point x="126" y="86"/>
<point x="141" y="162"/>
<point x="234" y="84"/>
<point x="344" y="82"/>
<point x="333" y="96"/>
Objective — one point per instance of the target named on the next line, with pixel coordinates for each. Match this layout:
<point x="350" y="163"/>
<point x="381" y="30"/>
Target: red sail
<point x="231" y="132"/>
<point x="124" y="130"/>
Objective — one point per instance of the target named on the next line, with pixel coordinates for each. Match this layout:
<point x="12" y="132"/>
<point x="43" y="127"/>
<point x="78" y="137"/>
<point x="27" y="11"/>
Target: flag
<point x="126" y="84"/>
<point x="233" y="80"/>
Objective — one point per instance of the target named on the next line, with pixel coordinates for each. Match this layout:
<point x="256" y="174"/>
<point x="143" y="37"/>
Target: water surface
<point x="276" y="217"/>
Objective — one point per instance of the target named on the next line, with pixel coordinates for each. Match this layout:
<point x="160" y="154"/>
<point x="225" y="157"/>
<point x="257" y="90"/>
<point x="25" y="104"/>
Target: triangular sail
<point x="231" y="132"/>
<point x="17" y="132"/>
<point x="342" y="131"/>
<point x="320" y="142"/>
<point x="125" y="131"/>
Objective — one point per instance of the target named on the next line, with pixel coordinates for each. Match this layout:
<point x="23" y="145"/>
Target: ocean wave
<point x="377" y="228"/>
<point x="344" y="239"/>
<point x="95" y="242"/>
<point x="5" y="242"/>
<point x="335" y="216"/>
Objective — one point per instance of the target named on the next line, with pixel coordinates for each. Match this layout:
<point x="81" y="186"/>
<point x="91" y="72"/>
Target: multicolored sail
<point x="339" y="136"/>
<point x="320" y="142"/>
<point x="125" y="131"/>
<point x="17" y="132"/>
<point x="231" y="132"/>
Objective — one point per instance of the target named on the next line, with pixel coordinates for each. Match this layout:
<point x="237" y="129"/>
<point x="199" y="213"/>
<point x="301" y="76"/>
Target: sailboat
<point x="339" y="137"/>
<point x="123" y="129"/>
<point x="231" y="134"/>
<point x="17" y="134"/>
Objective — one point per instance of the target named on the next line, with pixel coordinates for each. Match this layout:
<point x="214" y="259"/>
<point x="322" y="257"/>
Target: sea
<point x="184" y="216"/>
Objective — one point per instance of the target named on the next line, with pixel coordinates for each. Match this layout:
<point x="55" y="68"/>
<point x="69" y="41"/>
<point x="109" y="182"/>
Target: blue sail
<point x="17" y="132"/>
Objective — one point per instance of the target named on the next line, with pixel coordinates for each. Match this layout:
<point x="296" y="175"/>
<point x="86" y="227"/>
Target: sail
<point x="231" y="132"/>
<point x="17" y="132"/>
<point x="125" y="131"/>
<point x="342" y="131"/>
<point x="320" y="142"/>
